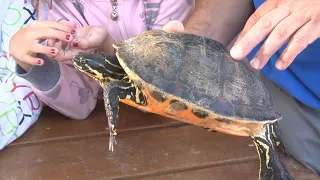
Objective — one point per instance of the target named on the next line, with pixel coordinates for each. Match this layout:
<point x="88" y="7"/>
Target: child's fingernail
<point x="68" y="37"/>
<point x="53" y="51"/>
<point x="73" y="31"/>
<point x="57" y="40"/>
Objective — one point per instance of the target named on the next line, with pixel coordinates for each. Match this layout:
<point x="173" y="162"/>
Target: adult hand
<point x="173" y="26"/>
<point x="296" y="21"/>
<point x="90" y="38"/>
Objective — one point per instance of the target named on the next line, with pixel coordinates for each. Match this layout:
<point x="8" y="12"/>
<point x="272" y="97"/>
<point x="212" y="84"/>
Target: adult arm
<point x="219" y="20"/>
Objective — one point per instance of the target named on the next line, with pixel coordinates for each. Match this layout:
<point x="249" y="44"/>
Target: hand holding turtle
<point x="296" y="21"/>
<point x="25" y="44"/>
<point x="87" y="39"/>
<point x="173" y="26"/>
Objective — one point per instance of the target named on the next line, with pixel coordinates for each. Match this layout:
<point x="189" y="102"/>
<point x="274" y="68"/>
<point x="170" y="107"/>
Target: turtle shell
<point x="199" y="71"/>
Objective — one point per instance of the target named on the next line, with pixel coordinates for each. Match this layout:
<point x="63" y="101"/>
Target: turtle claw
<point x="112" y="140"/>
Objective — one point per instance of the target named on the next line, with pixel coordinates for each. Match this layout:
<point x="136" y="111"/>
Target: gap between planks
<point x="189" y="168"/>
<point x="96" y="134"/>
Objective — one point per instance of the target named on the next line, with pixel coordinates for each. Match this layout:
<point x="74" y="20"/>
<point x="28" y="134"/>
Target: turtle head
<point x="99" y="66"/>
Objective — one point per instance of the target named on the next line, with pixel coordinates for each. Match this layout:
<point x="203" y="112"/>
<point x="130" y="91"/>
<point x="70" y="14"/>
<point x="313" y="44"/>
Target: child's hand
<point x="25" y="44"/>
<point x="90" y="38"/>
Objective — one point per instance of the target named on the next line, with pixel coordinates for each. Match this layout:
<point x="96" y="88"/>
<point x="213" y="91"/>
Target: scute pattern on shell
<point x="200" y="71"/>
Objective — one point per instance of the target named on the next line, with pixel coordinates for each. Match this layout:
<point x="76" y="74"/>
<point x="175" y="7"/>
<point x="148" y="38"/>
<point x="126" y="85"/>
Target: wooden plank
<point x="237" y="171"/>
<point x="53" y="126"/>
<point x="138" y="154"/>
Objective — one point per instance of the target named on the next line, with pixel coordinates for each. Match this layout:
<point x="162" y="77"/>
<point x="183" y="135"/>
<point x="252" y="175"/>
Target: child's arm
<point x="62" y="87"/>
<point x="19" y="108"/>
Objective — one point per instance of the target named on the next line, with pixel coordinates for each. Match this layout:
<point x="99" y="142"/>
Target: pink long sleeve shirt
<point x="59" y="84"/>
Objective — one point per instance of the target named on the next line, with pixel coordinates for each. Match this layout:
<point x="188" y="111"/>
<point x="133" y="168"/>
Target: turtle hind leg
<point x="271" y="167"/>
<point x="278" y="137"/>
<point x="113" y="92"/>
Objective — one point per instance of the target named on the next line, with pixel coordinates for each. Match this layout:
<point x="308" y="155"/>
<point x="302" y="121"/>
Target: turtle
<point x="189" y="78"/>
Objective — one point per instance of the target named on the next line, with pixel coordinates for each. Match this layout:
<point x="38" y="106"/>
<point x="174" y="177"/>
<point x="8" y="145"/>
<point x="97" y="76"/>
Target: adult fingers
<point x="299" y="41"/>
<point x="173" y="26"/>
<point x="259" y="32"/>
<point x="280" y="34"/>
<point x="256" y="16"/>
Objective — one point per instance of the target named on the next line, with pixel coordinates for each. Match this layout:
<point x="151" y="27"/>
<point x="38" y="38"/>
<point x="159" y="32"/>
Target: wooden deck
<point x="149" y="147"/>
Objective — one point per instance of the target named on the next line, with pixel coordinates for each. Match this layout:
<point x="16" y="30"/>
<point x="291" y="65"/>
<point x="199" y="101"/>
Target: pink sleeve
<point x="62" y="87"/>
<point x="74" y="95"/>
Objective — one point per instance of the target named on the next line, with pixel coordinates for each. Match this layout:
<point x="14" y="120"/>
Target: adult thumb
<point x="173" y="26"/>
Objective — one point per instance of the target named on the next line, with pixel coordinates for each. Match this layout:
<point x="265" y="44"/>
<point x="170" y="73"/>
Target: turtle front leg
<point x="113" y="92"/>
<point x="271" y="167"/>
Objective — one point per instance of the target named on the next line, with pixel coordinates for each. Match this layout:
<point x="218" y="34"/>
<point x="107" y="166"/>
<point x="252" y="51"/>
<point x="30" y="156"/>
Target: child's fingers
<point x="66" y="27"/>
<point x="49" y="33"/>
<point x="51" y="42"/>
<point x="82" y="44"/>
<point x="71" y="24"/>
<point x="57" y="43"/>
<point x="32" y="60"/>
<point x="68" y="55"/>
<point x="39" y="48"/>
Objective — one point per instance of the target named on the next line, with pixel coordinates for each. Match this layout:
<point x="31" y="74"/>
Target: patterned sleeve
<point x="19" y="106"/>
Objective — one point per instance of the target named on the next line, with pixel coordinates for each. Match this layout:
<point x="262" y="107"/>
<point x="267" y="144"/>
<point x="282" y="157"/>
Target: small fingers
<point x="32" y="60"/>
<point x="299" y="41"/>
<point x="67" y="55"/>
<point x="85" y="43"/>
<point x="66" y="27"/>
<point x="52" y="42"/>
<point x="57" y="44"/>
<point x="49" y="33"/>
<point x="39" y="48"/>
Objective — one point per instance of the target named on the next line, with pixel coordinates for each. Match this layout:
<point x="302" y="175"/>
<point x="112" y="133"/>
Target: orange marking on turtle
<point x="189" y="114"/>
